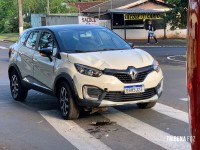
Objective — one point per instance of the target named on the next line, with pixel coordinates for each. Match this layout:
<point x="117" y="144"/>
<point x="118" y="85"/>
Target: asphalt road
<point x="36" y="124"/>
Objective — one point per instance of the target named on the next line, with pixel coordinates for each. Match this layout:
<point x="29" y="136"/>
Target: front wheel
<point x="19" y="93"/>
<point x="146" y="105"/>
<point x="68" y="107"/>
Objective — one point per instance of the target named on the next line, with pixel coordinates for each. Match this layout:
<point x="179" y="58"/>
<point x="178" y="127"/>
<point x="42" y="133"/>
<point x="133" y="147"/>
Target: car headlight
<point x="156" y="66"/>
<point x="88" y="70"/>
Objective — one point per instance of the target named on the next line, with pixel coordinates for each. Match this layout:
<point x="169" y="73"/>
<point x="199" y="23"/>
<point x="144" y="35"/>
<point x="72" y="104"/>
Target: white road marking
<point x="144" y="130"/>
<point x="183" y="99"/>
<point x="72" y="132"/>
<point x="173" y="59"/>
<point x="171" y="112"/>
<point x="1" y="47"/>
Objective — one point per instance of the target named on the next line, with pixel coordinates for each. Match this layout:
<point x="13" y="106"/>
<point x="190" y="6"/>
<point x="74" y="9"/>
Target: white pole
<point x="20" y="16"/>
<point x="79" y="11"/>
<point x="99" y="12"/>
<point x="48" y="8"/>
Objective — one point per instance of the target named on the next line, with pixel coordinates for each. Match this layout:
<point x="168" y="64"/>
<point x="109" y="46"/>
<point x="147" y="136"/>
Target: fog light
<point x="91" y="93"/>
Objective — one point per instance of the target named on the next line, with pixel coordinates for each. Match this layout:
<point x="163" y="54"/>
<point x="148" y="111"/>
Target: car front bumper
<point x="106" y="103"/>
<point x="111" y="85"/>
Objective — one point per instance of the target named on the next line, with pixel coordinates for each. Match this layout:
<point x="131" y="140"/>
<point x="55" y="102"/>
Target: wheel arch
<point x="67" y="78"/>
<point x="13" y="67"/>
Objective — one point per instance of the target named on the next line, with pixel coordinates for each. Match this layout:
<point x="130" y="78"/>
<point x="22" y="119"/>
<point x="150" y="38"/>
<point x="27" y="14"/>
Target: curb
<point x="7" y="41"/>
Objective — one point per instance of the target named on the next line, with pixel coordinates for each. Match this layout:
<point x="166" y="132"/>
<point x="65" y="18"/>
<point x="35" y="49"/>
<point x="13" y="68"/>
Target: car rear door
<point x="25" y="57"/>
<point x="43" y="66"/>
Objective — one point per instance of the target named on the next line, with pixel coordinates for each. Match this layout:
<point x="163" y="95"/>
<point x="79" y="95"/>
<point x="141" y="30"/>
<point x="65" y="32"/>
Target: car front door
<point x="44" y="66"/>
<point x="26" y="53"/>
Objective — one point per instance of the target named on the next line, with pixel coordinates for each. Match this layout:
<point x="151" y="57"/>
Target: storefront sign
<point x="141" y="16"/>
<point x="88" y="20"/>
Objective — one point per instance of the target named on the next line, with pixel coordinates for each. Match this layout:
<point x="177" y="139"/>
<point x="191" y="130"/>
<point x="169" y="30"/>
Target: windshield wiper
<point x="108" y="49"/>
<point x="85" y="51"/>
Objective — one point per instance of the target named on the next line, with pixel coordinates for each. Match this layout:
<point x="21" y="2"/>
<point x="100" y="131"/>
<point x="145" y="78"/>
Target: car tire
<point x="18" y="92"/>
<point x="146" y="105"/>
<point x="67" y="105"/>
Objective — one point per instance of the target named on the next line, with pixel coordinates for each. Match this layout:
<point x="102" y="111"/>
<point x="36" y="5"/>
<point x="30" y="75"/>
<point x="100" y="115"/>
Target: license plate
<point x="134" y="89"/>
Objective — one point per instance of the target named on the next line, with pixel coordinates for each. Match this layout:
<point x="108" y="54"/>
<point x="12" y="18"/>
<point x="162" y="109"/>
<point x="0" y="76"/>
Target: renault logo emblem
<point x="133" y="73"/>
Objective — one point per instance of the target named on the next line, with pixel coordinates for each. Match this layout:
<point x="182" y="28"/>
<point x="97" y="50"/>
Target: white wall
<point x="142" y="33"/>
<point x="178" y="33"/>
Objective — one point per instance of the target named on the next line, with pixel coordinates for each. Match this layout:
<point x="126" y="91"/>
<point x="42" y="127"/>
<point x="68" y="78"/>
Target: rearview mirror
<point x="131" y="45"/>
<point x="46" y="52"/>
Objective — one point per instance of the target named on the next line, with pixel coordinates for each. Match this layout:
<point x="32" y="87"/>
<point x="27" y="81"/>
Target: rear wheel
<point x="68" y="107"/>
<point x="19" y="93"/>
<point x="146" y="105"/>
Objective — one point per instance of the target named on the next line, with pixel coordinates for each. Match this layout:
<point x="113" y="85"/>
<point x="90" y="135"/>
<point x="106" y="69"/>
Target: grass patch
<point x="9" y="36"/>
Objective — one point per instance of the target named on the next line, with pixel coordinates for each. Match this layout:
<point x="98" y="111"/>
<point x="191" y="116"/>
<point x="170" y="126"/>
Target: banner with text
<point x="141" y="16"/>
<point x="88" y="20"/>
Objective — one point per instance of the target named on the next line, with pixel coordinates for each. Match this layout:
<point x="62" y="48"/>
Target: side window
<point x="31" y="41"/>
<point x="47" y="41"/>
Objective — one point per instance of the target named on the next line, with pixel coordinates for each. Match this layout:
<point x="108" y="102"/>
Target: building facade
<point x="129" y="18"/>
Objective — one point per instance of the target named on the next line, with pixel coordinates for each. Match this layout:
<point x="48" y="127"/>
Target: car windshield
<point x="91" y="40"/>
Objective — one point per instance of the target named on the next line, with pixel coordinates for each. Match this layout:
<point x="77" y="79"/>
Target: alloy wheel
<point x="64" y="101"/>
<point x="14" y="86"/>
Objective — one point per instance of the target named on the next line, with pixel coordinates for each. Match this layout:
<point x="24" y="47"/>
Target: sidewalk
<point x="137" y="43"/>
<point x="161" y="43"/>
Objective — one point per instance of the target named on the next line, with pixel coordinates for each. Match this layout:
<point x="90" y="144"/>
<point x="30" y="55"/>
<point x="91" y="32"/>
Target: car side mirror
<point x="131" y="45"/>
<point x="46" y="52"/>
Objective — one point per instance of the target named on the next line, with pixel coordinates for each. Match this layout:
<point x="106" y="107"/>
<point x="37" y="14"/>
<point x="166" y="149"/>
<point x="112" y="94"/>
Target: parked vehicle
<point x="83" y="66"/>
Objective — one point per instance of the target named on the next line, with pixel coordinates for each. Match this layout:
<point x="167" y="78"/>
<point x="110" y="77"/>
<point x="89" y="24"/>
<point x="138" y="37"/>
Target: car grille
<point x="120" y="96"/>
<point x="126" y="78"/>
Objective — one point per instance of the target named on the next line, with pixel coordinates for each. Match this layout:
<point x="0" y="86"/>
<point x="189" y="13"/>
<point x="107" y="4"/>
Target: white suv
<point x="84" y="66"/>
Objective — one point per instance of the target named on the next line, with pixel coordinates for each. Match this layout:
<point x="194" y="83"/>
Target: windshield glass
<point x="90" y="40"/>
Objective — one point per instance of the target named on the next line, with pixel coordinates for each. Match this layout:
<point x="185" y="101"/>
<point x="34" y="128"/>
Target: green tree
<point x="8" y="15"/>
<point x="177" y="17"/>
<point x="9" y="11"/>
<point x="34" y="6"/>
<point x="61" y="6"/>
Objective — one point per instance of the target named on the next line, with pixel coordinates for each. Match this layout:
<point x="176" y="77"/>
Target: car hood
<point x="118" y="59"/>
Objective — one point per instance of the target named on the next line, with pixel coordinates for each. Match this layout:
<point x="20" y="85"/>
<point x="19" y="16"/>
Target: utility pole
<point x="48" y="9"/>
<point x="20" y="16"/>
